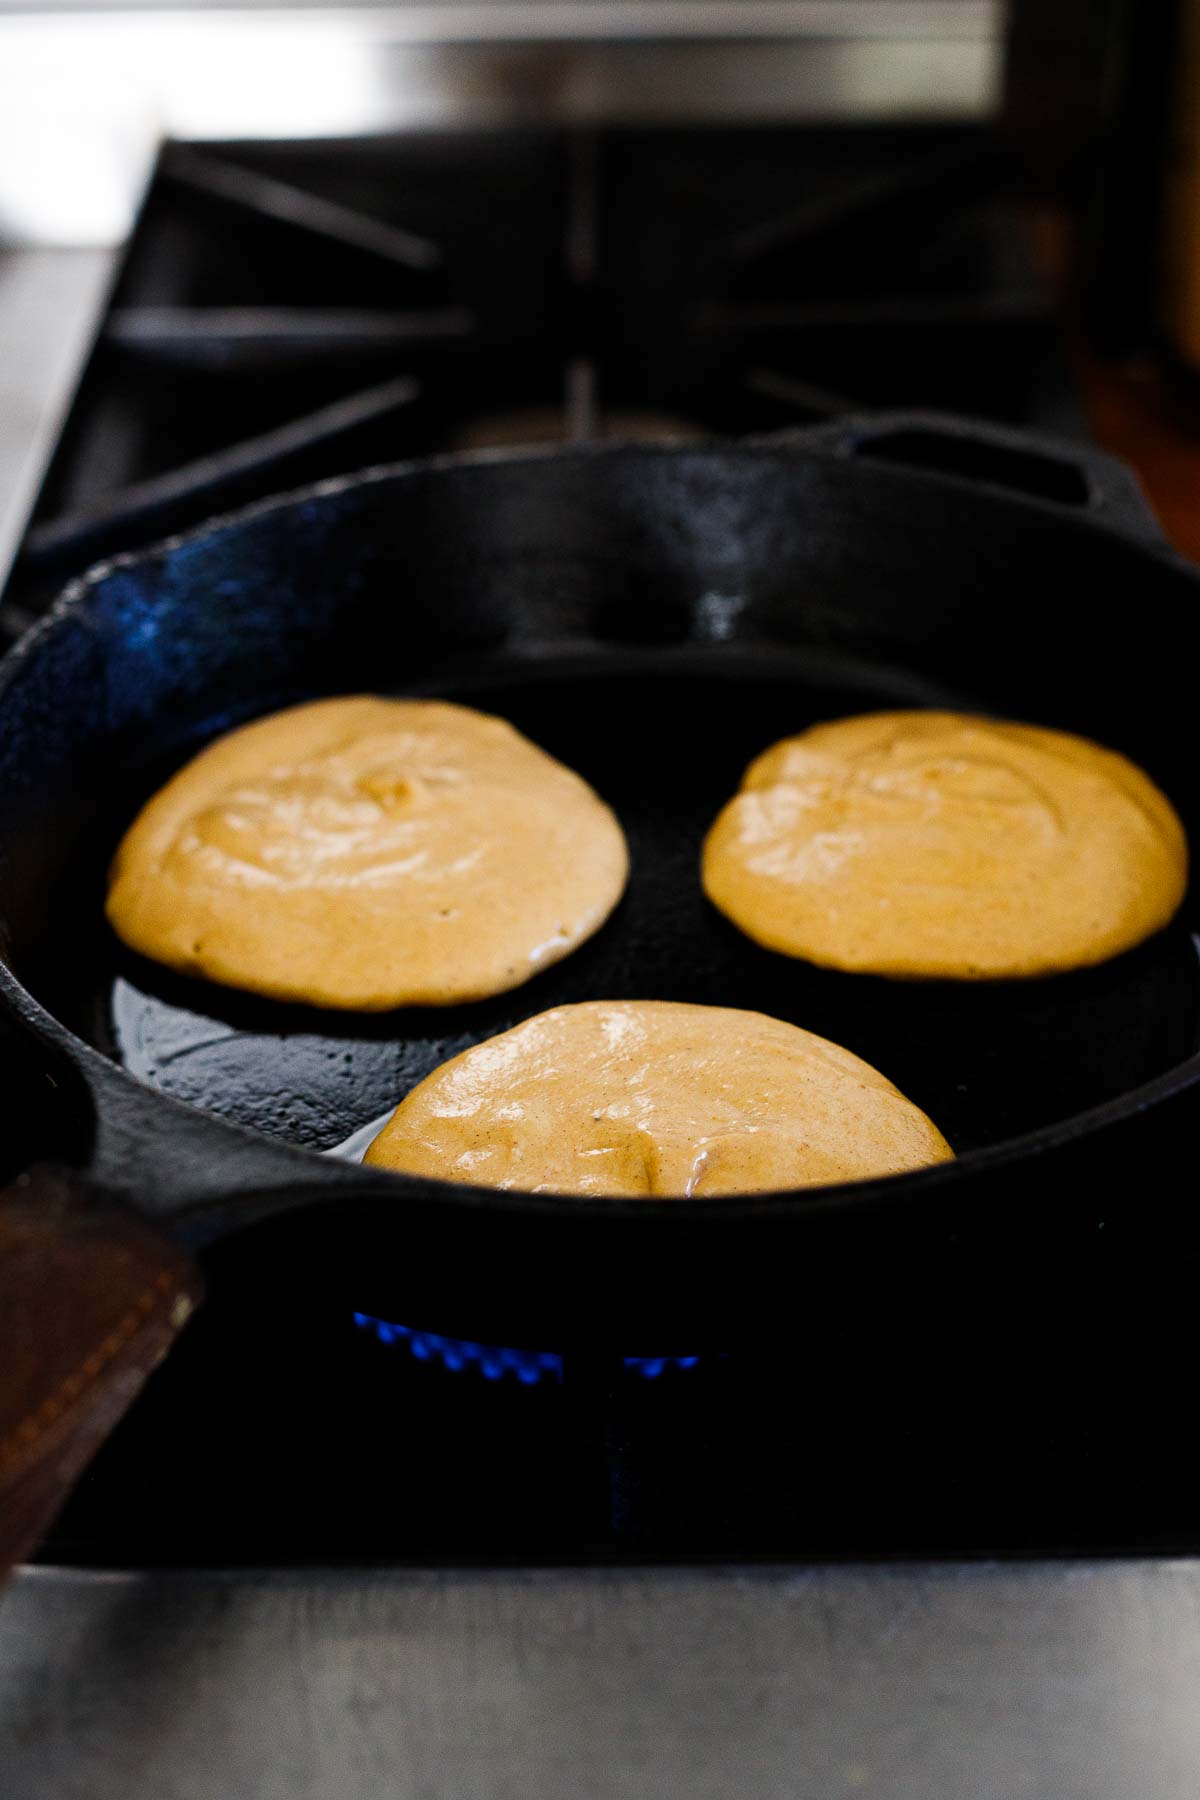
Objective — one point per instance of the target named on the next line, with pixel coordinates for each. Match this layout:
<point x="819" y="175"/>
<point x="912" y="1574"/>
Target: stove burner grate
<point x="288" y="312"/>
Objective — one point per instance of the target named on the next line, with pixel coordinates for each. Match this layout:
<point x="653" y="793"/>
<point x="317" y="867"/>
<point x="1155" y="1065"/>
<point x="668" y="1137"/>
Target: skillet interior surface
<point x="654" y="619"/>
<point x="665" y="746"/>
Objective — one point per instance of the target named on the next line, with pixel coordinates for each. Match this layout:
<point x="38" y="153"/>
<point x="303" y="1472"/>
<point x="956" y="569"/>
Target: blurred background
<point x="243" y="246"/>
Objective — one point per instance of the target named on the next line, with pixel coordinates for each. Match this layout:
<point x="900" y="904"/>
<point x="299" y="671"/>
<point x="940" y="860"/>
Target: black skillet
<point x="654" y="616"/>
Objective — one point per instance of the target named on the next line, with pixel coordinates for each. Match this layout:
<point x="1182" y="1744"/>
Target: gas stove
<point x="290" y="311"/>
<point x="287" y="311"/>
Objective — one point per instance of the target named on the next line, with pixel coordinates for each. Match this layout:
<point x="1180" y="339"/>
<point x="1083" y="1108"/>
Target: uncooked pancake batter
<point x="944" y="845"/>
<point x="368" y="853"/>
<point x="648" y="1097"/>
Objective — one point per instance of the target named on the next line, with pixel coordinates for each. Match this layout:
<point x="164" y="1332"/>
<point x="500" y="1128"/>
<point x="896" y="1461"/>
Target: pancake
<point x="936" y="844"/>
<point x="368" y="853"/>
<point x="651" y="1098"/>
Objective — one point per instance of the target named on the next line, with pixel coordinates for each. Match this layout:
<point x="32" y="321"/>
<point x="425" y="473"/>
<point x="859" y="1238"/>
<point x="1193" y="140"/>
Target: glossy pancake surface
<point x="932" y="844"/>
<point x="368" y="853"/>
<point x="655" y="1098"/>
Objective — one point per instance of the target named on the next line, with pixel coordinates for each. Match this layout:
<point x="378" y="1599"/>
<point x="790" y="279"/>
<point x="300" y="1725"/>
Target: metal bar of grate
<point x="264" y="195"/>
<point x="212" y="481"/>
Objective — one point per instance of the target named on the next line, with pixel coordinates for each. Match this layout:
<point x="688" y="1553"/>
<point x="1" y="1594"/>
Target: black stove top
<point x="284" y="1430"/>
<point x="288" y="312"/>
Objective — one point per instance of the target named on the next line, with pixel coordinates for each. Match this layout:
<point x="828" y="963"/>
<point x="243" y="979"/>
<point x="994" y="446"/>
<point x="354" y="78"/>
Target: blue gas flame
<point x="495" y="1364"/>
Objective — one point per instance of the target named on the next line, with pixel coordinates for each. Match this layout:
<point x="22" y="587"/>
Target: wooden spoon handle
<point x="91" y="1299"/>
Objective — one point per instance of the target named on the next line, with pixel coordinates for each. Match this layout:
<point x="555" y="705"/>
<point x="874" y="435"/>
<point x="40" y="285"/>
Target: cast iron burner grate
<point x="291" y="311"/>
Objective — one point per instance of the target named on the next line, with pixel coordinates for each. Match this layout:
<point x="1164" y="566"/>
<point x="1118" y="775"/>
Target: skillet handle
<point x="1073" y="476"/>
<point x="91" y="1299"/>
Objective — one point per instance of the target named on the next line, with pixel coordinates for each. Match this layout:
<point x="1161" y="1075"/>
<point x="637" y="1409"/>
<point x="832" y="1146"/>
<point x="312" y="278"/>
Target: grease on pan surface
<point x="368" y="853"/>
<point x="932" y="844"/>
<point x="655" y="1098"/>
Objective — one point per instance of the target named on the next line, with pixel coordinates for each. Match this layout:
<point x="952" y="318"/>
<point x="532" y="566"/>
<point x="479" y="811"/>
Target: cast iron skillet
<point x="654" y="616"/>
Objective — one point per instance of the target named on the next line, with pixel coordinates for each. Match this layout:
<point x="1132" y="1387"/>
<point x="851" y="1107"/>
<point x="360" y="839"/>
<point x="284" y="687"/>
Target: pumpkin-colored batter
<point x="938" y="844"/>
<point x="368" y="853"/>
<point x="648" y="1097"/>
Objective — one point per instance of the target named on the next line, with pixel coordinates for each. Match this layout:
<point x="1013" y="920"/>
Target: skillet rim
<point x="279" y="1158"/>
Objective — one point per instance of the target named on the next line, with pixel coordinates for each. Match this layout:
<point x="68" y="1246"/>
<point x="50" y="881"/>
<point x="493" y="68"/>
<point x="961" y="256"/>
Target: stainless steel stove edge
<point x="1015" y="1680"/>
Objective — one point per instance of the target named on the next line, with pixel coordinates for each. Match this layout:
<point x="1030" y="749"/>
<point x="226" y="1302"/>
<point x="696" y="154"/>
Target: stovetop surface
<point x="1076" y="1681"/>
<point x="282" y="1432"/>
<point x="289" y="311"/>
